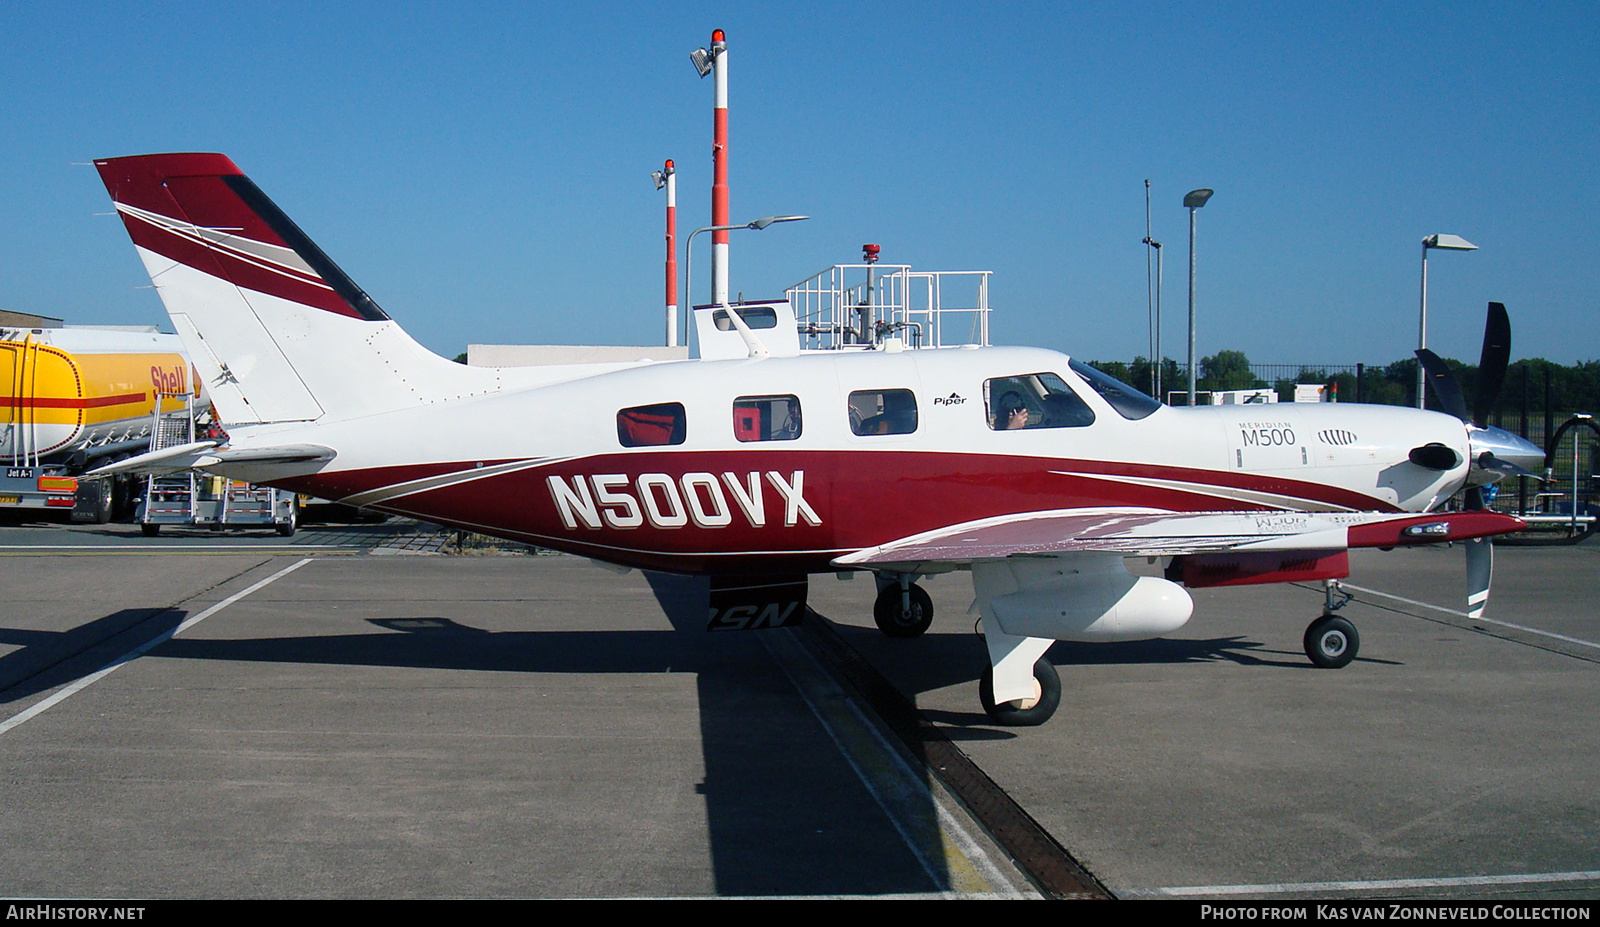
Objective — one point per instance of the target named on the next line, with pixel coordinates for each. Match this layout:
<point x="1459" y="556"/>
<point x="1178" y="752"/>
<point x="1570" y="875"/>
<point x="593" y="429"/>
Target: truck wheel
<point x="287" y="528"/>
<point x="102" y="505"/>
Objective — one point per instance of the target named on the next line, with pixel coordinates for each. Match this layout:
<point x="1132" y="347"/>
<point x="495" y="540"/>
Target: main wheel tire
<point x="1014" y="714"/>
<point x="1332" y="642"/>
<point x="895" y="619"/>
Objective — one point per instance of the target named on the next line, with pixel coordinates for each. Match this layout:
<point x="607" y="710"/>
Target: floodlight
<point x="702" y="61"/>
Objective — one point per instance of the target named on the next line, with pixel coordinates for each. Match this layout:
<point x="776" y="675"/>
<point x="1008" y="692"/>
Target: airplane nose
<point x="1497" y="454"/>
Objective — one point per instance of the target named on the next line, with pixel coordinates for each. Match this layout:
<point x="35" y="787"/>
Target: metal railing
<point x="856" y="305"/>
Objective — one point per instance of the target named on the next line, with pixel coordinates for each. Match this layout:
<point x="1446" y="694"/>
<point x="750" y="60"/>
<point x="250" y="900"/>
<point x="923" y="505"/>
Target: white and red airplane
<point x="1035" y="472"/>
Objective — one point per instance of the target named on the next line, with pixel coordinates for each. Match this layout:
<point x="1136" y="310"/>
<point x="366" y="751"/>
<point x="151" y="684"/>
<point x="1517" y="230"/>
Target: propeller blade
<point x="1492" y="363"/>
<point x="1444" y="383"/>
<point x="1480" y="571"/>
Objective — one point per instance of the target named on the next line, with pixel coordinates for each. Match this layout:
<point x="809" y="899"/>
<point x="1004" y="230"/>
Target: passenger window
<point x="651" y="426"/>
<point x="883" y="412"/>
<point x="1034" y="400"/>
<point x="766" y="418"/>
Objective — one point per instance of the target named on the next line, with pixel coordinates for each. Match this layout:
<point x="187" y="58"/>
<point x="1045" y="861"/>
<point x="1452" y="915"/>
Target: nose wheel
<point x="1332" y="642"/>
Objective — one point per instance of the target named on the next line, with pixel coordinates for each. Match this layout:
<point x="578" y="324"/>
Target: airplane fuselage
<point x="548" y="465"/>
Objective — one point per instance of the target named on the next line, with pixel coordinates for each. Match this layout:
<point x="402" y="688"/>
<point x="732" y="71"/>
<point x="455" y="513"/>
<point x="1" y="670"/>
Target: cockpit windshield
<point x="1129" y="402"/>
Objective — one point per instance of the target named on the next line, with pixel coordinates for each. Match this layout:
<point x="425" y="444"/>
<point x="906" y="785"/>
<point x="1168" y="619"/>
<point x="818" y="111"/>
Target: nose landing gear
<point x="1332" y="642"/>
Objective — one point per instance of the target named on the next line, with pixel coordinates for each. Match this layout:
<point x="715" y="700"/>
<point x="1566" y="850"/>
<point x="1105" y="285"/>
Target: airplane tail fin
<point x="279" y="332"/>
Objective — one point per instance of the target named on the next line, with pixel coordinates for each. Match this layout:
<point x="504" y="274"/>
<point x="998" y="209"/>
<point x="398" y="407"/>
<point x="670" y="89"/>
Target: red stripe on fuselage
<point x="861" y="498"/>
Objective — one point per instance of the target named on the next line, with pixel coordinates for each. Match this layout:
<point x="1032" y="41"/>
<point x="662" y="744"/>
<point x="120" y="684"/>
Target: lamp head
<point x="1448" y="243"/>
<point x="701" y="60"/>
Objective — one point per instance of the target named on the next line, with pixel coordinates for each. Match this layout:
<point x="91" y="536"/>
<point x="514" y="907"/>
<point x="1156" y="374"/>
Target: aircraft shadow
<point x="786" y="815"/>
<point x="775" y="791"/>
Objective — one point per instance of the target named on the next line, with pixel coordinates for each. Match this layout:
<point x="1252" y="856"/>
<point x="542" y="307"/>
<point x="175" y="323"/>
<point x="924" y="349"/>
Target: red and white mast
<point x="668" y="177"/>
<point x="719" y="162"/>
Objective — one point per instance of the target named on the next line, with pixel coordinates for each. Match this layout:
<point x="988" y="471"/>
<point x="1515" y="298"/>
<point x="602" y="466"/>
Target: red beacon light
<point x="869" y="254"/>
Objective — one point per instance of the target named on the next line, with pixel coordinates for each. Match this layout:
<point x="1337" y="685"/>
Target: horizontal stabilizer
<point x="202" y="455"/>
<point x="166" y="460"/>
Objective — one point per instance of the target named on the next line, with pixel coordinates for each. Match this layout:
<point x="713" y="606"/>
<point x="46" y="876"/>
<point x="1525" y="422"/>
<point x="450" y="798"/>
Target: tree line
<point x="1535" y="384"/>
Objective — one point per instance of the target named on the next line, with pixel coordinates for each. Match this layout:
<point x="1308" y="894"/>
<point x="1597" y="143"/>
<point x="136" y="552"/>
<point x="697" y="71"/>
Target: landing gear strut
<point x="903" y="609"/>
<point x="1332" y="642"/>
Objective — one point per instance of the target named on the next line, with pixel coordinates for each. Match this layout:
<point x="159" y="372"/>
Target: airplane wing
<point x="1156" y="533"/>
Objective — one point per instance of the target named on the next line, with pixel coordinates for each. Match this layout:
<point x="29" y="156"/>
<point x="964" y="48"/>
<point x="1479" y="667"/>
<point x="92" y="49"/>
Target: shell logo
<point x="169" y="380"/>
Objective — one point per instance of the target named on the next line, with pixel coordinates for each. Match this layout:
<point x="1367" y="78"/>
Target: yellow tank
<point x="71" y="389"/>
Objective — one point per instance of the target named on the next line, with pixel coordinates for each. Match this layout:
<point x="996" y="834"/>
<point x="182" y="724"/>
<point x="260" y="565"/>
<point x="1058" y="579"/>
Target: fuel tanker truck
<point x="80" y="398"/>
<point x="77" y="398"/>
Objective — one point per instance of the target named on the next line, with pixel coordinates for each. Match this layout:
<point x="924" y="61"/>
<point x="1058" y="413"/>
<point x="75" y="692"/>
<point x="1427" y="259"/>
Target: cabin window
<point x="651" y="426"/>
<point x="1129" y="402"/>
<point x="883" y="412"/>
<point x="754" y="317"/>
<point x="1034" y="400"/>
<point x="766" y="418"/>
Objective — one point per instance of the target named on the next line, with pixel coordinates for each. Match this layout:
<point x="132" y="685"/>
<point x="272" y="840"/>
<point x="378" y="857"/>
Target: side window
<point x="1034" y="400"/>
<point x="755" y="317"/>
<point x="883" y="412"/>
<point x="766" y="418"/>
<point x="1129" y="402"/>
<point x="651" y="426"/>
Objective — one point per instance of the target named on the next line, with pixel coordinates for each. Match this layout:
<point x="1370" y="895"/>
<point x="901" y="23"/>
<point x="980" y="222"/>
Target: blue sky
<point x="483" y="169"/>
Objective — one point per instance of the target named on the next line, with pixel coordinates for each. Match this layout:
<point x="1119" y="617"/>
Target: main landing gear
<point x="1026" y="712"/>
<point x="903" y="609"/>
<point x="1332" y="642"/>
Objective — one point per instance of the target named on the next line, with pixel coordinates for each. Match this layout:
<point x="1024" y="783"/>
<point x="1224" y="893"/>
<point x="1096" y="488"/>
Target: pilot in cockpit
<point x="1011" y="414"/>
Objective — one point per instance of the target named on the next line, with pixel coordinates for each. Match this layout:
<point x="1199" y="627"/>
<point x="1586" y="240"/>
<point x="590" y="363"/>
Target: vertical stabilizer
<point x="277" y="330"/>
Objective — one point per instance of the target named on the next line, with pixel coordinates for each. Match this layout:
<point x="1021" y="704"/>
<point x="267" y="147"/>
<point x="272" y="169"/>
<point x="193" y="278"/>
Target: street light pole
<point x="668" y="177"/>
<point x="688" y="251"/>
<point x="1193" y="200"/>
<point x="1443" y="243"/>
